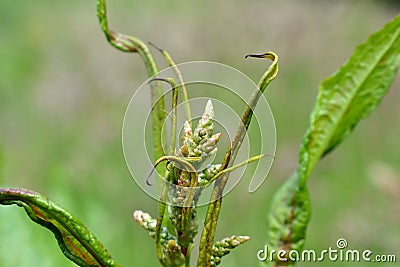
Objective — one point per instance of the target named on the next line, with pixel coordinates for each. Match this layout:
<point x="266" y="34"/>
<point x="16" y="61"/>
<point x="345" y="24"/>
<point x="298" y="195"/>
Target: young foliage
<point x="345" y="98"/>
<point x="197" y="145"/>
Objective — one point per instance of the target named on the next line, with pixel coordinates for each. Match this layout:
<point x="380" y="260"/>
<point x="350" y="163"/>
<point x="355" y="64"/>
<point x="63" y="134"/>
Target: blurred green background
<point x="64" y="90"/>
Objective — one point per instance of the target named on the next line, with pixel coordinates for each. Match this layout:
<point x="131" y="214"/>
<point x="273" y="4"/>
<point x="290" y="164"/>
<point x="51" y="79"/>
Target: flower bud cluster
<point x="205" y="175"/>
<point x="146" y="221"/>
<point x="224" y="247"/>
<point x="171" y="249"/>
<point x="200" y="143"/>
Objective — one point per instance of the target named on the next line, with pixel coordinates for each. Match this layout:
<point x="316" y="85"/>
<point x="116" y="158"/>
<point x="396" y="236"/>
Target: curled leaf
<point x="76" y="242"/>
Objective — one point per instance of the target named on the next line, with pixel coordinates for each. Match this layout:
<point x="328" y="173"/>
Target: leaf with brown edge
<point x="76" y="242"/>
<point x="287" y="220"/>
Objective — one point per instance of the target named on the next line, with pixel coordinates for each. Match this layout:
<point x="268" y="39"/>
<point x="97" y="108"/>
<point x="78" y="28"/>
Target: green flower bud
<point x="173" y="254"/>
<point x="208" y="145"/>
<point x="187" y="132"/>
<point x="224" y="247"/>
<point x="205" y="125"/>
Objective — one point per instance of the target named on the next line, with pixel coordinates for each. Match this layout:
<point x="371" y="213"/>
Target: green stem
<point x="241" y="164"/>
<point x="172" y="83"/>
<point x="178" y="74"/>
<point x="210" y="223"/>
<point x="181" y="162"/>
<point x="189" y="252"/>
<point x="130" y="44"/>
<point x="161" y="211"/>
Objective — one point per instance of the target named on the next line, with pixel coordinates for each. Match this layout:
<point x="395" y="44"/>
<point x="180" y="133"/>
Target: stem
<point x="130" y="44"/>
<point x="172" y="83"/>
<point x="231" y="169"/>
<point x="160" y="218"/>
<point x="214" y="207"/>
<point x="178" y="74"/>
<point x="189" y="252"/>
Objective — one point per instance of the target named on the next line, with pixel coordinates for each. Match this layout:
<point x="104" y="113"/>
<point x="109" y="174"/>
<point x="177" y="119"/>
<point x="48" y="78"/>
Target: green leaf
<point x="76" y="242"/>
<point x="351" y="94"/>
<point x="288" y="219"/>
<point x="345" y="98"/>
